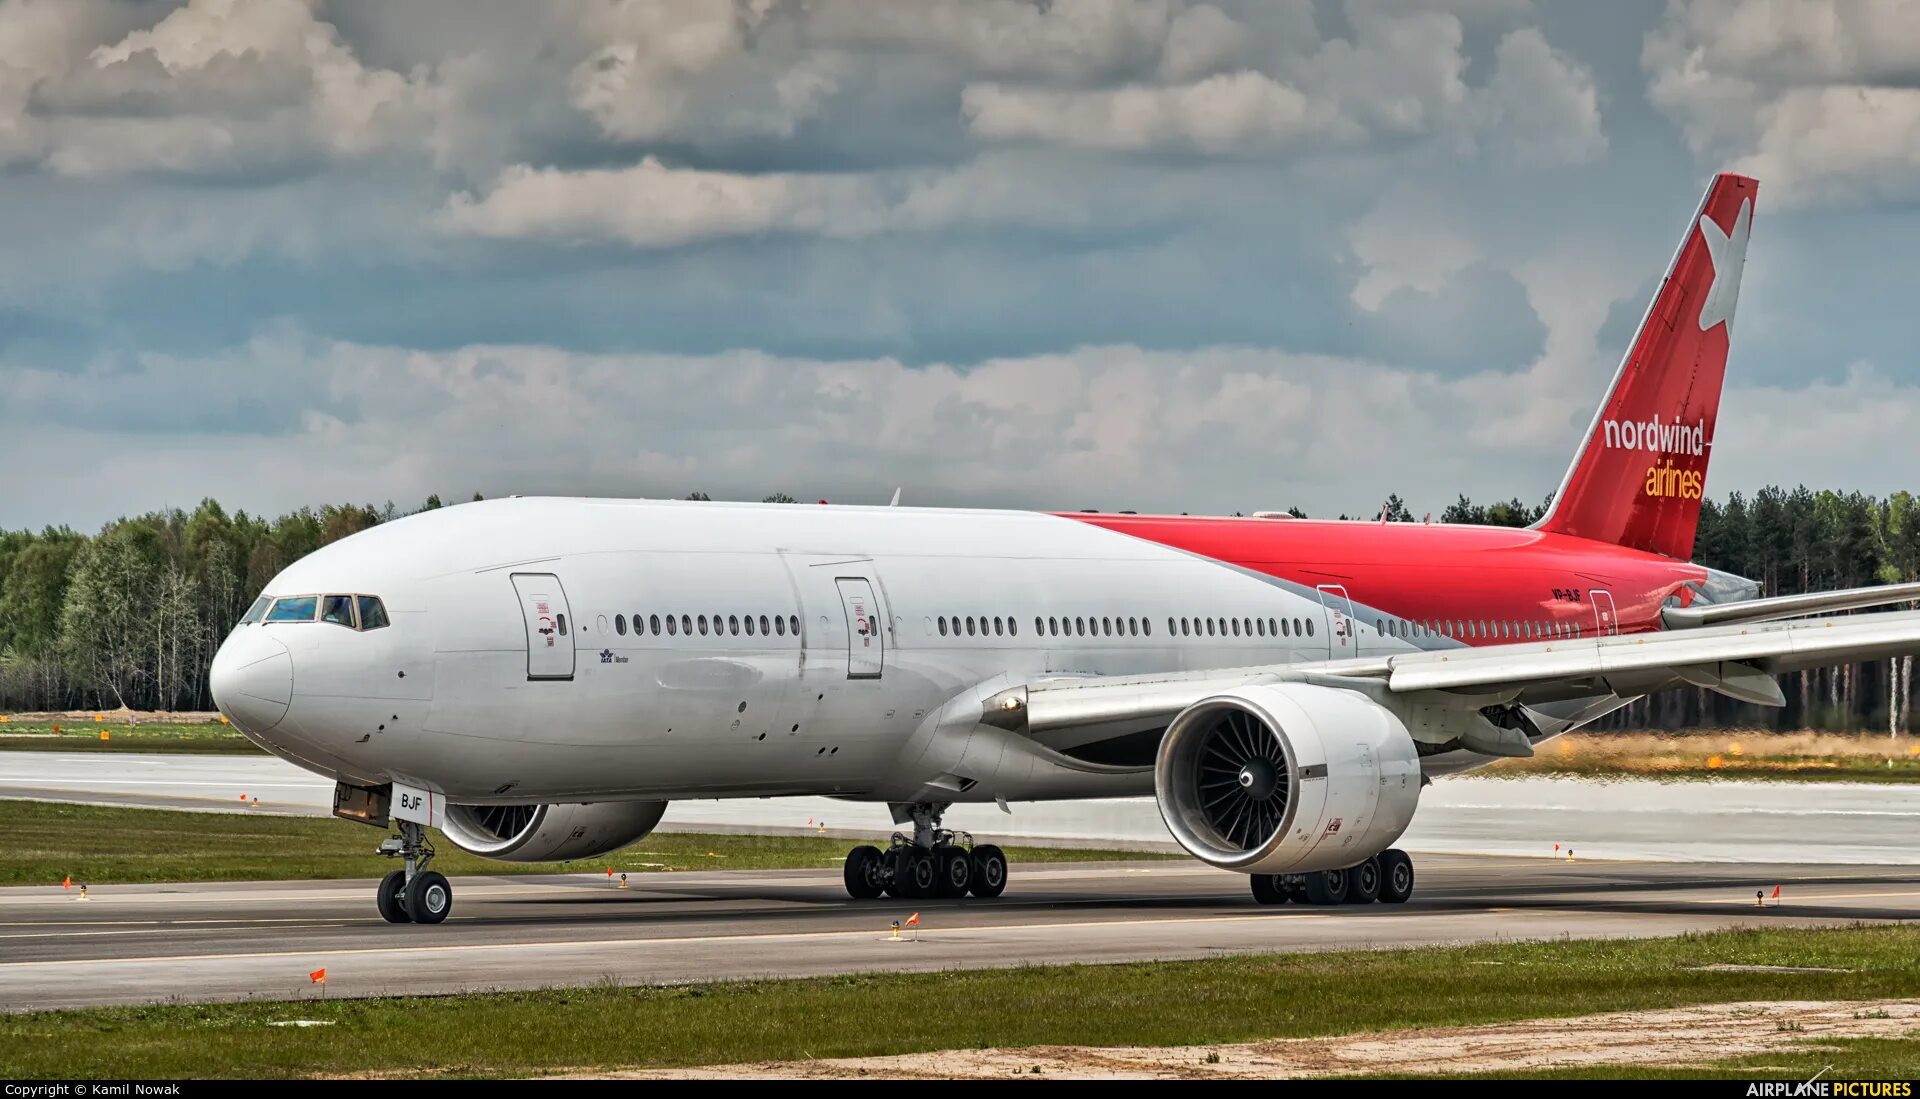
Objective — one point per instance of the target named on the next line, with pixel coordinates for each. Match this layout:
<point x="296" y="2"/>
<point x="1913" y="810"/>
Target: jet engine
<point x="1286" y="778"/>
<point x="549" y="833"/>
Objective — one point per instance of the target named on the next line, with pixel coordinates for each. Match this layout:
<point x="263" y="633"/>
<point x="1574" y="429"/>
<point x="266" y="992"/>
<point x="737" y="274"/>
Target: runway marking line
<point x="584" y="944"/>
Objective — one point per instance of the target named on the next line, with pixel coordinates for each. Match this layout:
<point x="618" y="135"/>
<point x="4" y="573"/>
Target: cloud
<point x="1239" y="112"/>
<point x="1820" y="101"/>
<point x="1400" y="74"/>
<point x="653" y="205"/>
<point x="217" y="86"/>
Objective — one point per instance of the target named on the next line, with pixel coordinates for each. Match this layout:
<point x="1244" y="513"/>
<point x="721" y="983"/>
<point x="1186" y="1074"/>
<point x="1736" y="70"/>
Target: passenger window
<point x="1146" y="626"/>
<point x="702" y="620"/>
<point x="299" y="608"/>
<point x="1309" y="627"/>
<point x="1285" y="630"/>
<point x="1106" y="626"/>
<point x="337" y="609"/>
<point x="793" y="623"/>
<point x="997" y="623"/>
<point x="620" y="624"/>
<point x="672" y="626"/>
<point x="1053" y="627"/>
<point x="562" y="620"/>
<point x="653" y="624"/>
<point x="1186" y="627"/>
<point x="733" y="625"/>
<point x="258" y="611"/>
<point x="1079" y="626"/>
<point x="780" y="626"/>
<point x="1013" y="628"/>
<point x="748" y="620"/>
<point x="764" y="632"/>
<point x="1039" y="626"/>
<point x="943" y="625"/>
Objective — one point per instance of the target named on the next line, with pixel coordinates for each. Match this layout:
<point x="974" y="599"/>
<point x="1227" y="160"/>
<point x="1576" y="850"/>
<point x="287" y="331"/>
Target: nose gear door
<point x="549" y="632"/>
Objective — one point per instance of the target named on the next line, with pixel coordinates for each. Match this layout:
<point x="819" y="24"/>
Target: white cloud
<point x="1819" y="100"/>
<point x="1406" y="243"/>
<point x="1241" y="112"/>
<point x="653" y="205"/>
<point x="214" y="85"/>
<point x="1207" y="429"/>
<point x="1400" y="74"/>
<point x="1541" y="103"/>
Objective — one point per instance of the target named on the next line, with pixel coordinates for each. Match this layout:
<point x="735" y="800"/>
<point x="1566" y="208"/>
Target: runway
<point x="1718" y="821"/>
<point x="138" y="944"/>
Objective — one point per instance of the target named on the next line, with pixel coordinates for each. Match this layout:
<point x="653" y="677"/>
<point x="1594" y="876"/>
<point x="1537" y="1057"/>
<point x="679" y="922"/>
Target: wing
<point x="1739" y="661"/>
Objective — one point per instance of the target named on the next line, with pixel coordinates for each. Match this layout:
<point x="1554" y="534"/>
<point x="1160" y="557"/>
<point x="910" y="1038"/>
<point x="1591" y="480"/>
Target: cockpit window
<point x="297" y="608"/>
<point x="373" y="613"/>
<point x="337" y="609"/>
<point x="258" y="611"/>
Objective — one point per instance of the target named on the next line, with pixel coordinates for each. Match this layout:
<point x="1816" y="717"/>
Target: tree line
<point x="131" y="616"/>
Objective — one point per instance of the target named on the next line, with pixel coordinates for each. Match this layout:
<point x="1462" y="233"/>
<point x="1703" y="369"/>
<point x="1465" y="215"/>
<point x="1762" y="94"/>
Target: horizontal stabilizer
<point x="1787" y="606"/>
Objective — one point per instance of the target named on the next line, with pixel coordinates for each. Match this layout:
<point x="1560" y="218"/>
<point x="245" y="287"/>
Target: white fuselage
<point x="463" y="693"/>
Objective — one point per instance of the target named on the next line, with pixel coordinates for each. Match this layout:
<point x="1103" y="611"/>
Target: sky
<point x="1116" y="254"/>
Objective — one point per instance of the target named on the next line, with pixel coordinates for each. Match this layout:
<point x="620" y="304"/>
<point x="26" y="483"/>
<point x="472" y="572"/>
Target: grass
<point x="83" y="735"/>
<point x="1234" y="999"/>
<point x="1799" y="757"/>
<point x="43" y="842"/>
<point x="1832" y="1058"/>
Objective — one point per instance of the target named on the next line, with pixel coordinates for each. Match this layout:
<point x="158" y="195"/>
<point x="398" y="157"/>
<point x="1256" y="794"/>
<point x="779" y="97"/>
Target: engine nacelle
<point x="1286" y="778"/>
<point x="549" y="833"/>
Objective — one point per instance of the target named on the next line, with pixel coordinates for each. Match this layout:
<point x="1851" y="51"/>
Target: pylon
<point x="83" y="892"/>
<point x="255" y="804"/>
<point x="623" y="881"/>
<point x="1569" y="854"/>
<point x="896" y="930"/>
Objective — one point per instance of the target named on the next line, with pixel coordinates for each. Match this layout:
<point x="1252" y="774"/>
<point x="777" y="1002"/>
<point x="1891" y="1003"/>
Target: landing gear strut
<point x="1386" y="877"/>
<point x="933" y="862"/>
<point x="415" y="894"/>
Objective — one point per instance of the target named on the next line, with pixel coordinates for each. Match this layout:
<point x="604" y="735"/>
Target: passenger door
<point x="543" y="603"/>
<point x="1342" y="639"/>
<point x="866" y="633"/>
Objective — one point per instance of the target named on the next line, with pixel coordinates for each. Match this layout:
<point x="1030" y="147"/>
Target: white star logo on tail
<point x="1728" y="251"/>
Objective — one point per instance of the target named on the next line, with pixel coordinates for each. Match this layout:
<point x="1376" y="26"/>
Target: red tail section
<point x="1638" y="477"/>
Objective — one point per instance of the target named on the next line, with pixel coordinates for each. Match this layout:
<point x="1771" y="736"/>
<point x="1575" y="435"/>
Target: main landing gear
<point x="934" y="863"/>
<point x="415" y="894"/>
<point x="1386" y="877"/>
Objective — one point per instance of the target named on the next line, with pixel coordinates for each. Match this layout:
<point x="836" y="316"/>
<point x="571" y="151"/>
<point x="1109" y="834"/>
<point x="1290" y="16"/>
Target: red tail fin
<point x="1638" y="477"/>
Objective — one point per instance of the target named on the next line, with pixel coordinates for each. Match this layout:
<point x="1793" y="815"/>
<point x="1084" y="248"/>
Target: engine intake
<point x="1286" y="778"/>
<point x="550" y="833"/>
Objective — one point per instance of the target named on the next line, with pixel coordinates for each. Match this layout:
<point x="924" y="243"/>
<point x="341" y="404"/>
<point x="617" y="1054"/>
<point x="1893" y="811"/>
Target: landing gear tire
<point x="429" y="897"/>
<point x="1295" y="887"/>
<point x="954" y="868"/>
<point x="915" y="877"/>
<point x="989" y="872"/>
<point x="865" y="873"/>
<point x="1328" y="887"/>
<point x="1269" y="889"/>
<point x="1396" y="876"/>
<point x="1363" y="882"/>
<point x="389" y="898"/>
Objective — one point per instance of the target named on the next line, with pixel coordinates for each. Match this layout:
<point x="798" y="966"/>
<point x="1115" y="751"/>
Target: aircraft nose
<point x="252" y="679"/>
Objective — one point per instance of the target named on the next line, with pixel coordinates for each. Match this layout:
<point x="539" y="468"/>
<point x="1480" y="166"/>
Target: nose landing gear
<point x="1386" y="877"/>
<point x="415" y="894"/>
<point x="934" y="863"/>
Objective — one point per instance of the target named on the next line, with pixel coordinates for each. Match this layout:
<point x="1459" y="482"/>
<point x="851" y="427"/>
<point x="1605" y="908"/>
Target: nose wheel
<point x="1386" y="877"/>
<point x="414" y="894"/>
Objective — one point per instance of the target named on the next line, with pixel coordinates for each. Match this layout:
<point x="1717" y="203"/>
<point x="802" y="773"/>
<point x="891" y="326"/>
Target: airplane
<point x="539" y="677"/>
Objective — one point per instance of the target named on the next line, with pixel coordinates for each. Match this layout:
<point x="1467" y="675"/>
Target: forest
<point x="130" y="617"/>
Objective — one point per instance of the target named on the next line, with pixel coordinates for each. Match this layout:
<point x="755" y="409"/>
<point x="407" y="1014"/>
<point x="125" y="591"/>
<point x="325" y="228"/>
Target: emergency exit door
<point x="549" y="627"/>
<point x="866" y="632"/>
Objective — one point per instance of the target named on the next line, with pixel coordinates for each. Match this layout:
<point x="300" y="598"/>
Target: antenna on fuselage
<point x="895" y="502"/>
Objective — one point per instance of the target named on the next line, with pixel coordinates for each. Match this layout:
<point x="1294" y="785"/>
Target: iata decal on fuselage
<point x="1655" y="437"/>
